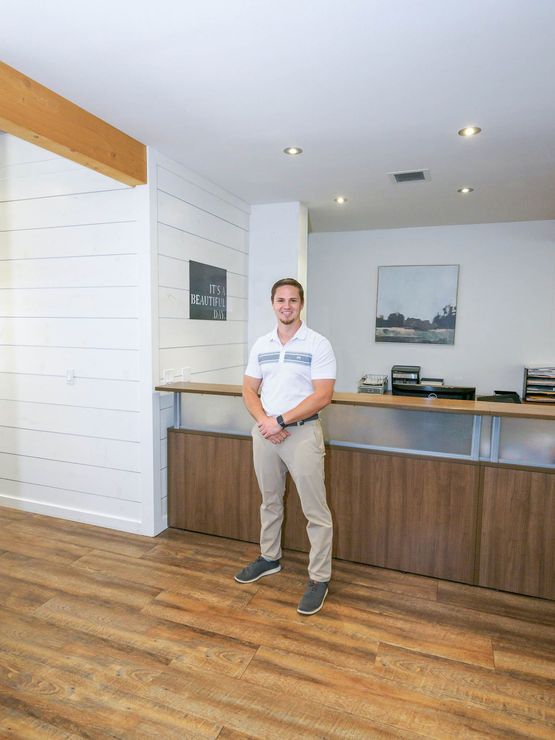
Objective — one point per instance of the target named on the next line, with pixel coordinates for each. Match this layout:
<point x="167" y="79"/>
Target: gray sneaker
<point x="260" y="567"/>
<point x="313" y="598"/>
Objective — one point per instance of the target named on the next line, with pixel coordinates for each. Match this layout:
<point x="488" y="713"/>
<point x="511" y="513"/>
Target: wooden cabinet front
<point x="405" y="513"/>
<point x="399" y="512"/>
<point x="517" y="543"/>
<point x="211" y="485"/>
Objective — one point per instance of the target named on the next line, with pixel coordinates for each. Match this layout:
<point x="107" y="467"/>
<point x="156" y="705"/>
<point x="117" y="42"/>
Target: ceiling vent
<point x="410" y="176"/>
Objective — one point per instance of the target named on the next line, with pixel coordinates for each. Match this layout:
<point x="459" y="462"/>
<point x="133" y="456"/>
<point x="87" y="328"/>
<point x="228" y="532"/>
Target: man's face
<point x="287" y="304"/>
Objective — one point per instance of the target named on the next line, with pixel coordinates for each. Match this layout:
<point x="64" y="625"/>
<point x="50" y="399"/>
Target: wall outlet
<point x="70" y="376"/>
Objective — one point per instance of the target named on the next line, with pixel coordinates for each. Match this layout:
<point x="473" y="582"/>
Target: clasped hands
<point x="271" y="430"/>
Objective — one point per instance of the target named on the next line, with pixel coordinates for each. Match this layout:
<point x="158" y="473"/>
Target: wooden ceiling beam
<point x="35" y="113"/>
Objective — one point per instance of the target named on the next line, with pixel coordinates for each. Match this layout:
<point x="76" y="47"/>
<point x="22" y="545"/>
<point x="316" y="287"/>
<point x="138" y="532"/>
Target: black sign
<point x="207" y="292"/>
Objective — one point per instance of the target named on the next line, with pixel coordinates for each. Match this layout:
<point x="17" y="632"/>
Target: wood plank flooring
<point x="107" y="634"/>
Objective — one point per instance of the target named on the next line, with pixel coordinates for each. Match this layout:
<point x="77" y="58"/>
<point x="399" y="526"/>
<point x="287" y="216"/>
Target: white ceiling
<point x="366" y="87"/>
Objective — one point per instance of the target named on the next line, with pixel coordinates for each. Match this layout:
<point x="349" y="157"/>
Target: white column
<point x="278" y="237"/>
<point x="153" y="519"/>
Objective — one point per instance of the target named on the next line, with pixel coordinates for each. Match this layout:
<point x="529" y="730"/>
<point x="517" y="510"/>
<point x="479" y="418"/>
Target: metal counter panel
<point x="397" y="429"/>
<point x="209" y="413"/>
<point x="527" y="442"/>
<point x="511" y="440"/>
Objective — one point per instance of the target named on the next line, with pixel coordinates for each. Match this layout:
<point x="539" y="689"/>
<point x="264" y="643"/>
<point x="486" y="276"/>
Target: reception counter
<point x="460" y="490"/>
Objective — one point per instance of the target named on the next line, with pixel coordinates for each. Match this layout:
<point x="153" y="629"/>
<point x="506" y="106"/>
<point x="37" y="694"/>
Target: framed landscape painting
<point x="417" y="304"/>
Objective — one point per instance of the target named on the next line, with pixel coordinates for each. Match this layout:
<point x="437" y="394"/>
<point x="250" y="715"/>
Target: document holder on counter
<point x="372" y="383"/>
<point x="405" y="374"/>
<point x="502" y="397"/>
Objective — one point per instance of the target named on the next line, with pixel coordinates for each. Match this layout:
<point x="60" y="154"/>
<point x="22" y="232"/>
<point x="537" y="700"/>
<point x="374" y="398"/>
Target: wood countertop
<point x="441" y="405"/>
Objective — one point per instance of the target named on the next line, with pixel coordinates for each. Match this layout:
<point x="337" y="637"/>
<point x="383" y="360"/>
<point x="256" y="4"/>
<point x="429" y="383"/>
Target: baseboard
<point x="74" y="515"/>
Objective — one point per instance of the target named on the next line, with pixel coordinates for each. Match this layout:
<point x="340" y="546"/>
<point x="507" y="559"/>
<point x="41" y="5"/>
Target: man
<point x="296" y="368"/>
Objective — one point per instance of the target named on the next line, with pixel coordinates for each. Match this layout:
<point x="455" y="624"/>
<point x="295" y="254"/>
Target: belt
<point x="303" y="421"/>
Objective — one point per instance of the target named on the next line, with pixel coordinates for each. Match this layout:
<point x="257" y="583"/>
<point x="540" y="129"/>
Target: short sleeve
<point x="324" y="366"/>
<point x="253" y="366"/>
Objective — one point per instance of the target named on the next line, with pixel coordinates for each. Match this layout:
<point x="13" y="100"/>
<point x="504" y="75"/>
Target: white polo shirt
<point x="287" y="371"/>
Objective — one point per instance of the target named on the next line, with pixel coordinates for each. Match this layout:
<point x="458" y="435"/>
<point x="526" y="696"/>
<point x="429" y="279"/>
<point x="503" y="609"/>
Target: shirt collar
<point x="299" y="334"/>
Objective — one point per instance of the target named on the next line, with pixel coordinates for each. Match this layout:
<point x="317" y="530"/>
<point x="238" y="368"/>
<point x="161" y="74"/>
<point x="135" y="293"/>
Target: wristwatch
<point x="280" y="421"/>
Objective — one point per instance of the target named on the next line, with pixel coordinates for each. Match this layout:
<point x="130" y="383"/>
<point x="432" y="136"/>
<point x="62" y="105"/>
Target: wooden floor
<point x="104" y="634"/>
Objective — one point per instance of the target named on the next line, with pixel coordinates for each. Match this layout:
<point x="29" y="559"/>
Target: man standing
<point x="296" y="368"/>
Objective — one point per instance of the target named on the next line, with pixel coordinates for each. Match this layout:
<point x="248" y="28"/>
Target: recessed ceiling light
<point x="340" y="200"/>
<point x="292" y="150"/>
<point x="469" y="131"/>
<point x="464" y="191"/>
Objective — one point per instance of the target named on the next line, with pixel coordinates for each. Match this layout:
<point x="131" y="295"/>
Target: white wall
<point x="196" y="220"/>
<point x="277" y="249"/>
<point x="71" y="284"/>
<point x="505" y="311"/>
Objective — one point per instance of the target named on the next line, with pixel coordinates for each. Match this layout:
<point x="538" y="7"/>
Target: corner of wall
<point x="152" y="518"/>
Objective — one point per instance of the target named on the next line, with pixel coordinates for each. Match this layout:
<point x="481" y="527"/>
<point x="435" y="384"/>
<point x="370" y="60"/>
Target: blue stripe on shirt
<point x="266" y="357"/>
<point x="299" y="358"/>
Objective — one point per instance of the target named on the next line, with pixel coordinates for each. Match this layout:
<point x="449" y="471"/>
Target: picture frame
<point x="417" y="304"/>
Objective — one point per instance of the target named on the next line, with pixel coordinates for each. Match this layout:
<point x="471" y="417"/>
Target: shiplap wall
<point x="72" y="264"/>
<point x="94" y="278"/>
<point x="198" y="221"/>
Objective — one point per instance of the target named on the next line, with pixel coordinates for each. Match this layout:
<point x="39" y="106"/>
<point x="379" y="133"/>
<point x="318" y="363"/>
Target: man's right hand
<point x="278" y="437"/>
<point x="268" y="426"/>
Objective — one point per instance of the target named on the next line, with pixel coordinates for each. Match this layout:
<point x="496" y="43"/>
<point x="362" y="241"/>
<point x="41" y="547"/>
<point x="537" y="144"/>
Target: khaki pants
<point x="302" y="454"/>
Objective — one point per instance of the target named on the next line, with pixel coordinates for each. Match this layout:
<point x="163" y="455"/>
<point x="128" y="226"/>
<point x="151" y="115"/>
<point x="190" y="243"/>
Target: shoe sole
<point x="307" y="614"/>
<point x="266" y="573"/>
